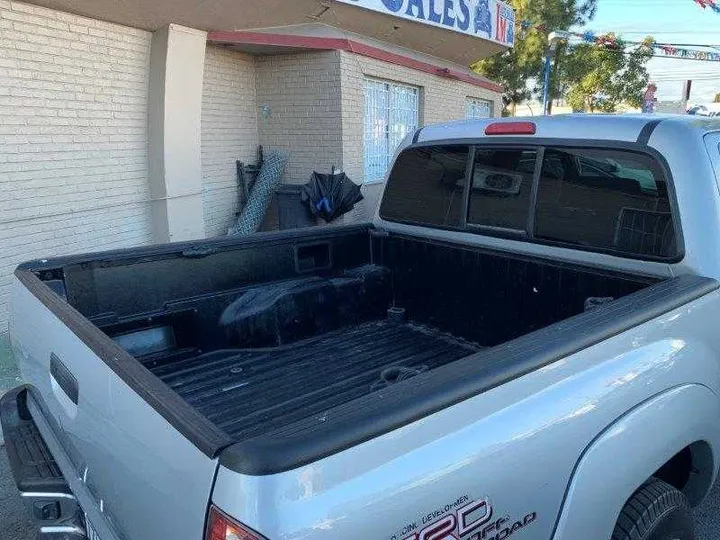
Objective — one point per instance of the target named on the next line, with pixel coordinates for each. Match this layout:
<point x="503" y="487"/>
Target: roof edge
<point x="352" y="46"/>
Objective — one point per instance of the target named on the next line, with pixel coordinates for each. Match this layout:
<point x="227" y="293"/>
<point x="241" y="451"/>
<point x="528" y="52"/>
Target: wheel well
<point x="690" y="471"/>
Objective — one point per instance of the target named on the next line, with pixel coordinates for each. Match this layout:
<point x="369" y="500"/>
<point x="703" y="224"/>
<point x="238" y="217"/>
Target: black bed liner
<point x="377" y="413"/>
<point x="524" y="313"/>
<point x="248" y="392"/>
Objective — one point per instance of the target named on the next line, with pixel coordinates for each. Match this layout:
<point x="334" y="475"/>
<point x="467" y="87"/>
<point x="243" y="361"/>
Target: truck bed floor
<point x="247" y="392"/>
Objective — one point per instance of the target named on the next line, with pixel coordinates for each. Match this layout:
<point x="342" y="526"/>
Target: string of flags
<point x="609" y="40"/>
<point x="669" y="50"/>
<point x="708" y="4"/>
<point x="612" y="42"/>
<point x="527" y="25"/>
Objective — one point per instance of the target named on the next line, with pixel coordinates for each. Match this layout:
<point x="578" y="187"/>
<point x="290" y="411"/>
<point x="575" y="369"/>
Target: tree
<point x="597" y="78"/>
<point x="520" y="69"/>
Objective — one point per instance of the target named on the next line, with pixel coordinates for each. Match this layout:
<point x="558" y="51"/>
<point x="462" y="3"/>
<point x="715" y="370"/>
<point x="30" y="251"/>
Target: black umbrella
<point x="330" y="195"/>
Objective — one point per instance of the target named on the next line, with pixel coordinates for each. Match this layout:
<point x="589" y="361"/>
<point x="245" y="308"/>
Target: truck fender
<point x="630" y="451"/>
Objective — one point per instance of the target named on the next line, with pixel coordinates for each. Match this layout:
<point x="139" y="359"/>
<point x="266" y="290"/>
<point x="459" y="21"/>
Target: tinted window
<point x="426" y="186"/>
<point x="605" y="199"/>
<point x="502" y="182"/>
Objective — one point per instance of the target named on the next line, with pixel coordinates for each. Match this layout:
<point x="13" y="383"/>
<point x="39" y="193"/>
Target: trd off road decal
<point x="464" y="519"/>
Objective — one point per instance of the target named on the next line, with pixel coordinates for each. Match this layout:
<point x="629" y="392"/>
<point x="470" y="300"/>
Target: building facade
<point x="123" y="128"/>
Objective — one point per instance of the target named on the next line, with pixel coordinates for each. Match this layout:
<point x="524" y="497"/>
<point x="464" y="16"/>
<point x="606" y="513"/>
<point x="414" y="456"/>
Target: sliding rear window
<point x="426" y="186"/>
<point x="609" y="200"/>
<point x="501" y="187"/>
<point x="612" y="200"/>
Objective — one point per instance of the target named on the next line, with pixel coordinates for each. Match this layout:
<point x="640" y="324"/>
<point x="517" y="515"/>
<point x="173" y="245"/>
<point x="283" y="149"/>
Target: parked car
<point x="524" y="344"/>
<point x="712" y="109"/>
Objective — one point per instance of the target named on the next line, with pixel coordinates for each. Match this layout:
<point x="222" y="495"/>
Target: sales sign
<point x="489" y="19"/>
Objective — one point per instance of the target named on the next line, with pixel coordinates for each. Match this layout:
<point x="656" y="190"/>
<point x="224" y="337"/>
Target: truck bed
<point x="259" y="335"/>
<point x="247" y="392"/>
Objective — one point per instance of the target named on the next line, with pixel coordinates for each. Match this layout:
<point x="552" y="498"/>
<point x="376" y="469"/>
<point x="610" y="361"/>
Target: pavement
<point x="9" y="376"/>
<point x="14" y="522"/>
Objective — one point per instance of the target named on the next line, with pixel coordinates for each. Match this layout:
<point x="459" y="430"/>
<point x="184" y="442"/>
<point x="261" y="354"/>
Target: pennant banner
<point x="688" y="53"/>
<point x="610" y="41"/>
<point x="708" y="4"/>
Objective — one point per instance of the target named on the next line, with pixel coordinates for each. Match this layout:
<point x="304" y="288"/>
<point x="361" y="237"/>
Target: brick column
<point x="176" y="77"/>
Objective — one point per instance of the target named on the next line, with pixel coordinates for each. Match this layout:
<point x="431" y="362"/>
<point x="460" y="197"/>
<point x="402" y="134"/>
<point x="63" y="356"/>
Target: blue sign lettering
<point x="434" y="16"/>
<point x="483" y="18"/>
<point x="489" y="19"/>
<point x="393" y="5"/>
<point x="464" y="23"/>
<point x="449" y="14"/>
<point x="420" y="9"/>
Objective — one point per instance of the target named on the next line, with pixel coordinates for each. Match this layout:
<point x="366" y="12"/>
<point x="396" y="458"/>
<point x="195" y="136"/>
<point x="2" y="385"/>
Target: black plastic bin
<point x="292" y="213"/>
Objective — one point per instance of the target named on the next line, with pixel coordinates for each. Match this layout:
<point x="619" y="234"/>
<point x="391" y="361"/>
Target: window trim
<point x="540" y="144"/>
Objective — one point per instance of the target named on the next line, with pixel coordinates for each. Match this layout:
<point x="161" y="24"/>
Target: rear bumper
<point x="42" y="486"/>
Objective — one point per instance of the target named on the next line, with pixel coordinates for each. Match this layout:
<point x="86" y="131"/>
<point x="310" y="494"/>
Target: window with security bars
<point x="478" y="108"/>
<point x="391" y="113"/>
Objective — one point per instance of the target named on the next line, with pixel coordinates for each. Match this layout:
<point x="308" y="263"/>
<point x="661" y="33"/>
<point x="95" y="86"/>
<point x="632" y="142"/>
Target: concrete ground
<point x="9" y="376"/>
<point x="14" y="522"/>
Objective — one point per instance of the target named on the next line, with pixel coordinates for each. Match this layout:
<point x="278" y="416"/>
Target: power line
<point x="687" y="45"/>
<point x="693" y="31"/>
<point x="680" y="79"/>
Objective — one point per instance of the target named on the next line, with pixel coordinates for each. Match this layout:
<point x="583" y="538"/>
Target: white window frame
<point x="392" y="111"/>
<point x="476" y="108"/>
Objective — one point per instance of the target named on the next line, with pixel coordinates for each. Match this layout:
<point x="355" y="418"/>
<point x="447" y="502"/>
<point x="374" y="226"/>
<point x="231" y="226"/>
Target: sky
<point x="668" y="21"/>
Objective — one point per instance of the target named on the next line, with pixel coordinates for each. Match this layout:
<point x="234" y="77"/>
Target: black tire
<point x="656" y="511"/>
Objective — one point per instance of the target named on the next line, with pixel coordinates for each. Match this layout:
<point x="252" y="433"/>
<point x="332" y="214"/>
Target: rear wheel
<point x="656" y="511"/>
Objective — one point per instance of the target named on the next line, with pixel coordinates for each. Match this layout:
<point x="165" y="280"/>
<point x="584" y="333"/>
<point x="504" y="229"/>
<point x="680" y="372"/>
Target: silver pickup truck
<point x="525" y="344"/>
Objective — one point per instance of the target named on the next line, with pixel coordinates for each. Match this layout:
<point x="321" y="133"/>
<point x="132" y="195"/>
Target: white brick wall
<point x="73" y="136"/>
<point x="229" y="132"/>
<point x="302" y="92"/>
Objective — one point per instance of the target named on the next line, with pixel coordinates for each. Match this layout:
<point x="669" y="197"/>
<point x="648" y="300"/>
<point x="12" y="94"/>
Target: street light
<point x="553" y="39"/>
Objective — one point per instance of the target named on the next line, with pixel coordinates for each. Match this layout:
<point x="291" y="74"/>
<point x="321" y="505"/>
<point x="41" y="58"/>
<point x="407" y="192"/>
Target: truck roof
<point x="625" y="127"/>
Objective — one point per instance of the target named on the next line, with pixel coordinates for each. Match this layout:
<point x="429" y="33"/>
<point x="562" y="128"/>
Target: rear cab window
<point x="501" y="187"/>
<point x="427" y="186"/>
<point x="597" y="199"/>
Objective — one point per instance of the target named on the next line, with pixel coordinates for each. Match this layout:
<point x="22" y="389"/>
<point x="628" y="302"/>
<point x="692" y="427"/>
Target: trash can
<point x="291" y="212"/>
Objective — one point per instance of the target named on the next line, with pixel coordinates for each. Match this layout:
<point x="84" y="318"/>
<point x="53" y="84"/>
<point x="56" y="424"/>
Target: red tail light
<point x="511" y="128"/>
<point x="222" y="527"/>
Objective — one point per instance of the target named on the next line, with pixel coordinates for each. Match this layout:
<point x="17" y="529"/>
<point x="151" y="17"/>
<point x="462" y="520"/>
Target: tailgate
<point x="133" y="472"/>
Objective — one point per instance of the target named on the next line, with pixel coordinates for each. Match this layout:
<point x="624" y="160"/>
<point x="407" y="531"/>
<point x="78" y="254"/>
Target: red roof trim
<point x="341" y="44"/>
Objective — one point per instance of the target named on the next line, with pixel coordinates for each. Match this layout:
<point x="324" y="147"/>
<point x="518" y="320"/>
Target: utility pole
<point x="553" y="39"/>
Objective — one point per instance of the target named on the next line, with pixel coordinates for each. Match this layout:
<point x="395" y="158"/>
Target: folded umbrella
<point x="329" y="196"/>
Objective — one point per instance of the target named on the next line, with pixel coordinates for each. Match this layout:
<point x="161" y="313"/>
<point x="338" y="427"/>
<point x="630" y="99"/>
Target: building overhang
<point x="458" y="31"/>
<point x="303" y="38"/>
